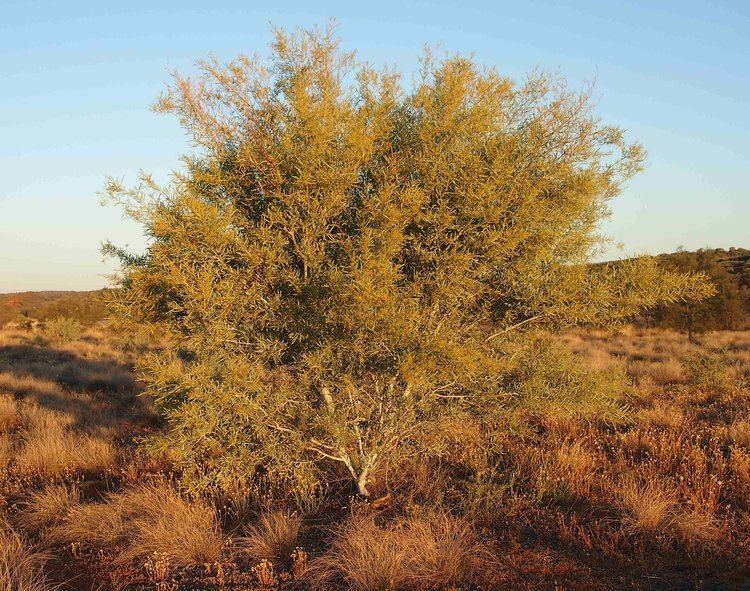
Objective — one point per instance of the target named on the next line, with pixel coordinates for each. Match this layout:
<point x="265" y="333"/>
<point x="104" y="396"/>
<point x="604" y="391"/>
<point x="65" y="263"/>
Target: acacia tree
<point x="344" y="258"/>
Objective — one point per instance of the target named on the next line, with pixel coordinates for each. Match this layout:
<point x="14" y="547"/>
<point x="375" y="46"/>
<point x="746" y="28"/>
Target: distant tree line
<point x="728" y="309"/>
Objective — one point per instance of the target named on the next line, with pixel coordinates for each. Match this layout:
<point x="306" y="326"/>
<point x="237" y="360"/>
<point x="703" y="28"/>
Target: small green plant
<point x="553" y="384"/>
<point x="709" y="373"/>
<point x="63" y="329"/>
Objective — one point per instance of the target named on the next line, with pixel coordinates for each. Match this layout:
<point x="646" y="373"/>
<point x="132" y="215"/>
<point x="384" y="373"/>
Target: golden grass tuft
<point x="651" y="510"/>
<point x="695" y="527"/>
<point x="447" y="552"/>
<point x="739" y="433"/>
<point x="8" y="412"/>
<point x="575" y="458"/>
<point x="648" y="508"/>
<point x="49" y="506"/>
<point x="273" y="538"/>
<point x="575" y="465"/>
<point x="740" y="467"/>
<point x="6" y="450"/>
<point x="147" y="520"/>
<point x="20" y="568"/>
<point x="9" y="417"/>
<point x="435" y="550"/>
<point x="363" y="557"/>
<point x="57" y="451"/>
<point x="662" y="414"/>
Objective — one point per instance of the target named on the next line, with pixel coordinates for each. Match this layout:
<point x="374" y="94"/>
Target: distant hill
<point x="86" y="306"/>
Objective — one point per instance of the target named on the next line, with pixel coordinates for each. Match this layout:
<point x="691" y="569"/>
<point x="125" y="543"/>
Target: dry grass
<point x="676" y="472"/>
<point x="20" y="568"/>
<point x="49" y="401"/>
<point x="57" y="451"/>
<point x="8" y="413"/>
<point x="273" y="538"/>
<point x="662" y="414"/>
<point x="49" y="506"/>
<point x="661" y="372"/>
<point x="432" y="551"/>
<point x="648" y="508"/>
<point x="48" y="444"/>
<point x="739" y="466"/>
<point x="144" y="521"/>
<point x="29" y="365"/>
<point x="680" y="474"/>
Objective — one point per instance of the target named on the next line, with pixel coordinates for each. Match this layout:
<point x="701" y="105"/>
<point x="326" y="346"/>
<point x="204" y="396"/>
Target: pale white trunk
<point x="362" y="485"/>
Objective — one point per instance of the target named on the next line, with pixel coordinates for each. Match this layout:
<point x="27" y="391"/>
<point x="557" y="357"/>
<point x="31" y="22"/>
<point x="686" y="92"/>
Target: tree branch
<point x="512" y="327"/>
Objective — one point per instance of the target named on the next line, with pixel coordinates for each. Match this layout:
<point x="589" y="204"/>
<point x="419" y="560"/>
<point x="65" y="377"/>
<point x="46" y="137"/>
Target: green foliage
<point x="553" y="383"/>
<point x="63" y="329"/>
<point x="345" y="260"/>
<point x="710" y="373"/>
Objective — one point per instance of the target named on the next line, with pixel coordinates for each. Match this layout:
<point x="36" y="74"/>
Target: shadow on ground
<point x="95" y="392"/>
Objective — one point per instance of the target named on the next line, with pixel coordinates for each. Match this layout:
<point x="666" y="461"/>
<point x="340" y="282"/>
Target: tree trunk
<point x="362" y="486"/>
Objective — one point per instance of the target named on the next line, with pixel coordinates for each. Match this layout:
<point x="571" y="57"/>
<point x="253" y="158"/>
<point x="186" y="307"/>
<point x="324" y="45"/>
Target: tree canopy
<point x="345" y="258"/>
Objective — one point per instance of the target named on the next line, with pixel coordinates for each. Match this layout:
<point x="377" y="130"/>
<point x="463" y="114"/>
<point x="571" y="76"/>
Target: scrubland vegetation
<point x="86" y="308"/>
<point x="727" y="309"/>
<point x="372" y="353"/>
<point x="652" y="494"/>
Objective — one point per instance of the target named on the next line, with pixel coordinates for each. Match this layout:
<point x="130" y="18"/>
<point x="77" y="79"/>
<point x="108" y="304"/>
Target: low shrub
<point x="553" y="384"/>
<point x="709" y="373"/>
<point x="63" y="329"/>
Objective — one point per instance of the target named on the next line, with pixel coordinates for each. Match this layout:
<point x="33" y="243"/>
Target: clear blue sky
<point x="77" y="78"/>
